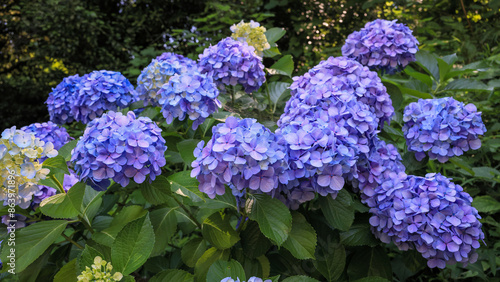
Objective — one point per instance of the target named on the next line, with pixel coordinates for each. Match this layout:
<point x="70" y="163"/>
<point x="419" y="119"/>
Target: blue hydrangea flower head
<point x="242" y="154"/>
<point x="119" y="147"/>
<point x="49" y="132"/>
<point x="189" y="94"/>
<point x="101" y="91"/>
<point x="61" y="100"/>
<point x="383" y="45"/>
<point x="442" y="128"/>
<point x="158" y="72"/>
<point x="232" y="62"/>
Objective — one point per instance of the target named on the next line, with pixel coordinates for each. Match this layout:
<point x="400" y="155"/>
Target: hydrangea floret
<point x="251" y="279"/>
<point x="158" y="72"/>
<point x="189" y="94"/>
<point x="232" y="62"/>
<point x="20" y="169"/>
<point x="243" y="154"/>
<point x="49" y="132"/>
<point x="442" y="128"/>
<point x="100" y="271"/>
<point x="119" y="147"/>
<point x="61" y="100"/>
<point x="101" y="91"/>
<point x="253" y="34"/>
<point x="382" y="45"/>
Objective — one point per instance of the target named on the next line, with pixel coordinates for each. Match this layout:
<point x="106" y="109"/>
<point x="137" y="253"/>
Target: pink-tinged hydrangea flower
<point x="242" y="154"/>
<point x="158" y="72"/>
<point x="20" y="167"/>
<point x="189" y="94"/>
<point x="231" y="62"/>
<point x="442" y="128"/>
<point x="101" y="91"/>
<point x="119" y="147"/>
<point x="381" y="44"/>
<point x="49" y="132"/>
<point x="61" y="100"/>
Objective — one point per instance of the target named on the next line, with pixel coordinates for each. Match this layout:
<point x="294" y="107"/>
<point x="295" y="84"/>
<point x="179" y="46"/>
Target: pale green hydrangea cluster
<point x="100" y="272"/>
<point x="253" y="34"/>
<point x="20" y="166"/>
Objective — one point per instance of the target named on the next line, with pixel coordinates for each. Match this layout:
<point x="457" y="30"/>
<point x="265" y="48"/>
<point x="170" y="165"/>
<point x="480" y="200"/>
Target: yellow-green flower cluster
<point x="100" y="272"/>
<point x="253" y="34"/>
<point x="20" y="168"/>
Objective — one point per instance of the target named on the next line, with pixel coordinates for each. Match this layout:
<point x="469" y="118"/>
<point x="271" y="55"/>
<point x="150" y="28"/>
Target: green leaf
<point x="485" y="172"/>
<point x="369" y="262"/>
<point x="58" y="206"/>
<point x="338" y="213"/>
<point x="219" y="232"/>
<point x="76" y="194"/>
<point x="428" y="62"/>
<point x="158" y="192"/>
<point x="486" y="204"/>
<point x="67" y="273"/>
<point x="284" y="66"/>
<point x="176" y="275"/>
<point x="107" y="236"/>
<point x="278" y="90"/>
<point x="86" y="258"/>
<point x="462" y="164"/>
<point x="32" y="241"/>
<point x="372" y="279"/>
<point x="186" y="148"/>
<point x="221" y="201"/>
<point x="133" y="245"/>
<point x="464" y="84"/>
<point x="300" y="278"/>
<point x="416" y="93"/>
<point x="91" y="203"/>
<point x="450" y="59"/>
<point x="165" y="225"/>
<point x="193" y="250"/>
<point x="274" y="218"/>
<point x="418" y="75"/>
<point x="272" y="52"/>
<point x="358" y="235"/>
<point x="274" y="34"/>
<point x="206" y="260"/>
<point x="56" y="165"/>
<point x="253" y="242"/>
<point x="222" y="269"/>
<point x="302" y="239"/>
<point x="396" y="95"/>
<point x="182" y="184"/>
<point x="444" y="69"/>
<point x="65" y="151"/>
<point x="331" y="262"/>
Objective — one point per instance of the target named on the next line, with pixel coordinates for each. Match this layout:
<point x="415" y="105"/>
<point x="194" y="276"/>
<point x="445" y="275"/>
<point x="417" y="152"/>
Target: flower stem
<point x="58" y="183"/>
<point x="71" y="241"/>
<point x="87" y="225"/>
<point x="191" y="216"/>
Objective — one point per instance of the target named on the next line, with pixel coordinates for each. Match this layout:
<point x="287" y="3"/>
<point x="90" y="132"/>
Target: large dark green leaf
<point x="65" y="151"/>
<point x="429" y="62"/>
<point x="58" y="206"/>
<point x="301" y="241"/>
<point x="158" y="192"/>
<point x="193" y="250"/>
<point x="86" y="258"/>
<point x="338" y="213"/>
<point x="186" y="149"/>
<point x="486" y="204"/>
<point x="464" y="84"/>
<point x="222" y="269"/>
<point x="300" y="278"/>
<point x="219" y="232"/>
<point x="56" y="165"/>
<point x="253" y="242"/>
<point x="278" y="90"/>
<point x="183" y="184"/>
<point x="165" y="225"/>
<point x="331" y="261"/>
<point x="67" y="273"/>
<point x="206" y="260"/>
<point x="176" y="275"/>
<point x="274" y="34"/>
<point x="283" y="66"/>
<point x="358" y="235"/>
<point x="369" y="262"/>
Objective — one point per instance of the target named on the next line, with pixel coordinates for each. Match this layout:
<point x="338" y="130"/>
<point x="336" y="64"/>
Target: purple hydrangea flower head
<point x="101" y="91"/>
<point x="61" y="100"/>
<point x="189" y="94"/>
<point x="119" y="147"/>
<point x="381" y="44"/>
<point x="19" y="221"/>
<point x="242" y="154"/>
<point x="442" y="128"/>
<point x="158" y="72"/>
<point x="49" y="132"/>
<point x="251" y="279"/>
<point x="232" y="62"/>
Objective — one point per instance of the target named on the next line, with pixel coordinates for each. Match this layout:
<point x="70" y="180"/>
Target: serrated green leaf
<point x="206" y="260"/>
<point x="165" y="225"/>
<point x="418" y="75"/>
<point x="65" y="151"/>
<point x="274" y="34"/>
<point x="284" y="65"/>
<point x="67" y="273"/>
<point x="300" y="278"/>
<point x="158" y="192"/>
<point x="331" y="262"/>
<point x="222" y="269"/>
<point x="76" y="194"/>
<point x="428" y="62"/>
<point x="253" y="242"/>
<point x="86" y="258"/>
<point x="133" y="245"/>
<point x="464" y="84"/>
<point x="56" y="165"/>
<point x="107" y="236"/>
<point x="186" y="148"/>
<point x="273" y="217"/>
<point x="32" y="241"/>
<point x="219" y="232"/>
<point x="338" y="213"/>
<point x="302" y="239"/>
<point x="416" y="93"/>
<point x="369" y="262"/>
<point x="486" y="204"/>
<point x="58" y="206"/>
<point x="176" y="275"/>
<point x="183" y="184"/>
<point x="358" y="235"/>
<point x="192" y="251"/>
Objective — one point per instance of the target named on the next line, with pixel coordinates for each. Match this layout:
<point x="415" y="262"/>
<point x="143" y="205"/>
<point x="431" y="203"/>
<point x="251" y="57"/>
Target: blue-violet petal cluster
<point x="61" y="100"/>
<point x="49" y="132"/>
<point x="231" y="62"/>
<point x="443" y="128"/>
<point x="251" y="279"/>
<point x="382" y="44"/>
<point x="121" y="147"/>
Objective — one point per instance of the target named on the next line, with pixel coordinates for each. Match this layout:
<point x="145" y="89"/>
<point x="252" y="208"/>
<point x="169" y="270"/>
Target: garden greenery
<point x="194" y="175"/>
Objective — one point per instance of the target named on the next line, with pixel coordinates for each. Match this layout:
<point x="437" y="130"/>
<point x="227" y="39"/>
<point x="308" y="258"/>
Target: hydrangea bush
<point x="298" y="178"/>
